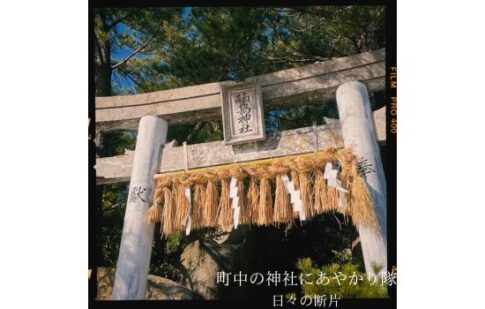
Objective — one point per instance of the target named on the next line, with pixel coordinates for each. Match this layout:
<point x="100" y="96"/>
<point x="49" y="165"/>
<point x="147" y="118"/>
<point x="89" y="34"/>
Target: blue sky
<point x="119" y="54"/>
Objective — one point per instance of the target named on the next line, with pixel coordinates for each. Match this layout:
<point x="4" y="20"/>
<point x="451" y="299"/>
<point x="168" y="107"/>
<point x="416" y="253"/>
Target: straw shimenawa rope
<point x="265" y="209"/>
<point x="211" y="200"/>
<point x="360" y="205"/>
<point x="260" y="204"/>
<point x="168" y="211"/>
<point x="198" y="202"/>
<point x="224" y="213"/>
<point x="244" y="213"/>
<point x="283" y="212"/>
<point x="154" y="214"/>
<point x="253" y="200"/>
<point x="304" y="169"/>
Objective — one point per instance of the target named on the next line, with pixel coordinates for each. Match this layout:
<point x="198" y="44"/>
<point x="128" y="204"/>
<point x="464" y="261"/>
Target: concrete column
<point x="358" y="133"/>
<point x="137" y="238"/>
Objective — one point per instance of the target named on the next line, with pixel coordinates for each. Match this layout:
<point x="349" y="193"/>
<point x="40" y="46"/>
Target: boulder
<point x="105" y="278"/>
<point x="160" y="288"/>
<point x="202" y="261"/>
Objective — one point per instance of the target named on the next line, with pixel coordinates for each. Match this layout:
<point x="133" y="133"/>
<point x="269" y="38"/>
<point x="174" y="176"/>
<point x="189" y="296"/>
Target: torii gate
<point x="349" y="78"/>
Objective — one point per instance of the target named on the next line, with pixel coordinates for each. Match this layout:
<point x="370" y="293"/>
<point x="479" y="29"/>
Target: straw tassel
<point x="168" y="215"/>
<point x="283" y="212"/>
<point x="211" y="201"/>
<point x="319" y="192"/>
<point x="265" y="209"/>
<point x="332" y="198"/>
<point x="348" y="167"/>
<point x="245" y="214"/>
<point x="305" y="182"/>
<point x="331" y="195"/>
<point x="154" y="214"/>
<point x="361" y="205"/>
<point x="181" y="207"/>
<point x="198" y="205"/>
<point x="224" y="213"/>
<point x="253" y="200"/>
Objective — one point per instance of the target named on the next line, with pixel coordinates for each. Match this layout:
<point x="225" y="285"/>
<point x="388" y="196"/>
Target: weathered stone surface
<point x="310" y="83"/>
<point x="118" y="168"/>
<point x="202" y="261"/>
<point x="285" y="143"/>
<point x="105" y="279"/>
<point x="114" y="169"/>
<point x="358" y="132"/>
<point x="158" y="288"/>
<point x="137" y="237"/>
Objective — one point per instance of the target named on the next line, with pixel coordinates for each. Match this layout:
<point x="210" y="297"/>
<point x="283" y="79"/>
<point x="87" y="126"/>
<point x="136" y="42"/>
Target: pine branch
<point x="234" y="52"/>
<point x="117" y="21"/>
<point x="289" y="60"/>
<point x="98" y="48"/>
<point x="136" y="51"/>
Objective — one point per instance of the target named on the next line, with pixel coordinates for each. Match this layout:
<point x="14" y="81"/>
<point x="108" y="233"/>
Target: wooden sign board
<point x="242" y="113"/>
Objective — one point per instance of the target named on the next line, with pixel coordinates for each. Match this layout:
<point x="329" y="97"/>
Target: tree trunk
<point x="103" y="80"/>
<point x="102" y="73"/>
<point x="103" y="68"/>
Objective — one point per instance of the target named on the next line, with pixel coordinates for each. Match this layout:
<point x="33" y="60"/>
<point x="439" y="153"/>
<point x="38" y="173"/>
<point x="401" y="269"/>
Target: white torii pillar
<point x="136" y="241"/>
<point x="358" y="133"/>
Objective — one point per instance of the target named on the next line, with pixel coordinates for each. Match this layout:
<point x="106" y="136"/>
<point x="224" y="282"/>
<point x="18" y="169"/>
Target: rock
<point x="202" y="261"/>
<point x="105" y="278"/>
<point x="158" y="288"/>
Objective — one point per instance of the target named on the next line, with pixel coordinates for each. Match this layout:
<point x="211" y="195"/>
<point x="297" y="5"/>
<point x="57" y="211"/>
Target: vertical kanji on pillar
<point x="136" y="241"/>
<point x="358" y="133"/>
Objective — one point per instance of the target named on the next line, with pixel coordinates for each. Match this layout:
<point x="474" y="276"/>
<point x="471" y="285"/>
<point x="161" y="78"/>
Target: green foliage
<point x="126" y="45"/>
<point x="343" y="264"/>
<point x="173" y="242"/>
<point x="166" y="269"/>
<point x="113" y="210"/>
<point x="164" y="261"/>
<point x="116" y="142"/>
<point x="214" y="44"/>
<point x="173" y="47"/>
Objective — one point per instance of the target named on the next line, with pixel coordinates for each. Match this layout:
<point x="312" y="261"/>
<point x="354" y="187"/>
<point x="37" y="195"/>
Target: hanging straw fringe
<point x="168" y="215"/>
<point x="306" y="193"/>
<point x="265" y="209"/>
<point x="258" y="204"/>
<point x="253" y="200"/>
<point x="283" y="212"/>
<point x="154" y="214"/>
<point x="319" y="192"/>
<point x="182" y="206"/>
<point x="198" y="205"/>
<point x="224" y="213"/>
<point x="361" y="201"/>
<point x="211" y="201"/>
